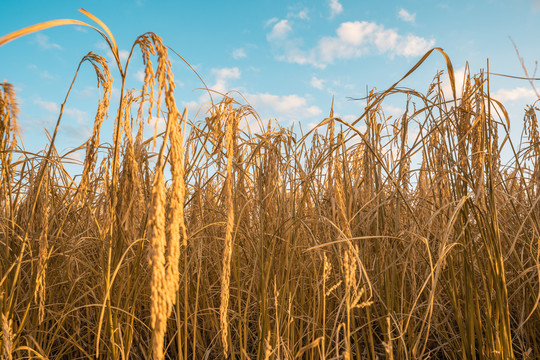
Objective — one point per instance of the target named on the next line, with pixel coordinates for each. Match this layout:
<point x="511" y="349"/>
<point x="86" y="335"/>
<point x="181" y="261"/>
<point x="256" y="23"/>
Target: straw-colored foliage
<point x="407" y="238"/>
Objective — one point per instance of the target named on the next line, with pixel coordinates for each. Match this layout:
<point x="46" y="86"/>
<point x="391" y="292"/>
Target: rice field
<point x="415" y="237"/>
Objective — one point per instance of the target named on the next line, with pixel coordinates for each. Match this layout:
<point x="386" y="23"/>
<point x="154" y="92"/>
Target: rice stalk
<point x="405" y="237"/>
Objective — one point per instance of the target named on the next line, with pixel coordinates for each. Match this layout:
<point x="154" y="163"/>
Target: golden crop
<point x="224" y="242"/>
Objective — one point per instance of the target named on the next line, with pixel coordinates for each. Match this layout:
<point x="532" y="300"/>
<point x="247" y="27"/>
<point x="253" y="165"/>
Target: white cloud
<point x="317" y="83"/>
<point x="279" y="31"/>
<point x="414" y="45"/>
<point x="282" y="107"/>
<point x="394" y="111"/>
<point x="353" y="39"/>
<point x="356" y="33"/>
<point x="139" y="75"/>
<point x="286" y="107"/>
<point x="302" y="15"/>
<point x="76" y="156"/>
<point x="44" y="42"/>
<point x="335" y="8"/>
<point x="446" y="87"/>
<point x="226" y="73"/>
<point x="357" y="38"/>
<point x="292" y="53"/>
<point x="271" y="21"/>
<point x="80" y="127"/>
<point x="47" y="105"/>
<point x="88" y="92"/>
<point x="222" y="75"/>
<point x="329" y="49"/>
<point x="123" y="55"/>
<point x="514" y="94"/>
<point x="195" y="107"/>
<point x="289" y="48"/>
<point x="280" y="103"/>
<point x="386" y="40"/>
<point x="43" y="73"/>
<point x="406" y="16"/>
<point x="239" y="53"/>
<point x="154" y="124"/>
<point x="80" y="116"/>
<point x="350" y="118"/>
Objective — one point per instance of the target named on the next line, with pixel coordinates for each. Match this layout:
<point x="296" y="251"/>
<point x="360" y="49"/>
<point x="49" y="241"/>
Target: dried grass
<point x="339" y="243"/>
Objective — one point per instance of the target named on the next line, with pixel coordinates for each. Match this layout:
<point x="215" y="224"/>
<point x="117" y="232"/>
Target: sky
<point x="287" y="58"/>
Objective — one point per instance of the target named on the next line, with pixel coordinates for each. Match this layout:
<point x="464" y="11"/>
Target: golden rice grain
<point x="7" y="338"/>
<point x="158" y="283"/>
<point x="227" y="251"/>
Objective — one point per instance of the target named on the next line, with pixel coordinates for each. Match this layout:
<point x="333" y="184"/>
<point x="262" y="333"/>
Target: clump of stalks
<point x="415" y="237"/>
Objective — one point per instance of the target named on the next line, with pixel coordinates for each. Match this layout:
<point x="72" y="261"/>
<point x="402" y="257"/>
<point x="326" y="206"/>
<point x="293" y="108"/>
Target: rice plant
<point x="405" y="238"/>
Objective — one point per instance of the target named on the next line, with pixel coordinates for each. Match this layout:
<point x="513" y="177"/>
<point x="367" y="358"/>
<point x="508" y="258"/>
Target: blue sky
<point x="288" y="58"/>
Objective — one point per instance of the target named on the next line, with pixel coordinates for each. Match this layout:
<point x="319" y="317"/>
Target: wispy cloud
<point x="139" y="75"/>
<point x="76" y="157"/>
<point x="239" y="53"/>
<point x="349" y="118"/>
<point x="42" y="73"/>
<point x="288" y="107"/>
<point x="353" y="39"/>
<point x="122" y="54"/>
<point x="47" y="105"/>
<point x="222" y="77"/>
<point x="154" y="125"/>
<point x="288" y="48"/>
<point x="335" y="8"/>
<point x="283" y="107"/>
<point x="271" y="21"/>
<point x="406" y="16"/>
<point x="514" y="94"/>
<point x="357" y="38"/>
<point x="446" y="87"/>
<point x="393" y="111"/>
<point x="302" y="14"/>
<point x="80" y="116"/>
<point x="44" y="42"/>
<point x="317" y="83"/>
<point x="503" y="95"/>
<point x="279" y="31"/>
<point x="79" y="124"/>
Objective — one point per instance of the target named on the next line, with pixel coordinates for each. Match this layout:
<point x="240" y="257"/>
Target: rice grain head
<point x="43" y="251"/>
<point x="176" y="227"/>
<point x="158" y="284"/>
<point x="8" y="140"/>
<point x="7" y="334"/>
<point x="105" y="80"/>
<point x="227" y="251"/>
